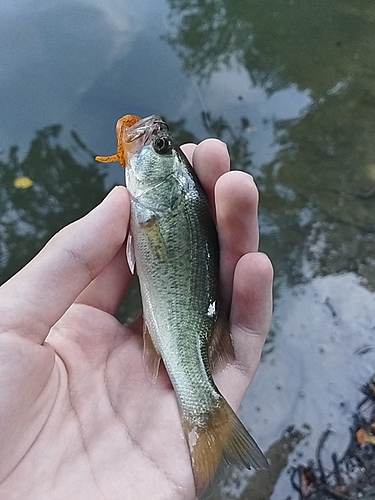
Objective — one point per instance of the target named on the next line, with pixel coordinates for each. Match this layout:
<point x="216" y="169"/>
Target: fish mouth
<point x="145" y="128"/>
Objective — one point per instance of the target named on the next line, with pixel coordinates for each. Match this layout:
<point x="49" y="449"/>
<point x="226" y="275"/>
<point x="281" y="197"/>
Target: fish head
<point x="151" y="152"/>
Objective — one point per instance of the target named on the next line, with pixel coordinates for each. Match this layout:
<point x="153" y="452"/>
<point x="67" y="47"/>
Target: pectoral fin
<point x="151" y="357"/>
<point x="130" y="256"/>
<point x="155" y="239"/>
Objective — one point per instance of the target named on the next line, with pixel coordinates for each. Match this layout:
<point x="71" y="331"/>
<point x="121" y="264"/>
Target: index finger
<point x="35" y="298"/>
<point x="210" y="159"/>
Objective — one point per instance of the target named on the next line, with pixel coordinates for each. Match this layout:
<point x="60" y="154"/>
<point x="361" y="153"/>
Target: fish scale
<point x="179" y="283"/>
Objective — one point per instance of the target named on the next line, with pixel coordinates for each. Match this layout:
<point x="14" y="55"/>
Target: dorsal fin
<point x="220" y="347"/>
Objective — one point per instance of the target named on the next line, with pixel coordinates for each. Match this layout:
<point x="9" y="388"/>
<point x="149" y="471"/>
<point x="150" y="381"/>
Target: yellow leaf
<point x="22" y="182"/>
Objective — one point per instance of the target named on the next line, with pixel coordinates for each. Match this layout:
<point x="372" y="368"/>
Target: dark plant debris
<point x="352" y="476"/>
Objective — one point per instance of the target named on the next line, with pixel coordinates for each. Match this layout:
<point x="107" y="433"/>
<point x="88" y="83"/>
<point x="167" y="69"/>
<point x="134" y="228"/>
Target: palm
<point x="86" y="420"/>
<point x="125" y="424"/>
<point x="103" y="423"/>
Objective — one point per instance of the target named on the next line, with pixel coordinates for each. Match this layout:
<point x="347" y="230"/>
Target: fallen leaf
<point x="22" y="182"/>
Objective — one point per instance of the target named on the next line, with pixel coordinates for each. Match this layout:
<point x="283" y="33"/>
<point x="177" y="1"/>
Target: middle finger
<point x="236" y="198"/>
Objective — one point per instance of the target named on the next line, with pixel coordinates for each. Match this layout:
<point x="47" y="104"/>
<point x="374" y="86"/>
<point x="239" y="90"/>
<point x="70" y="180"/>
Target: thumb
<point x="36" y="297"/>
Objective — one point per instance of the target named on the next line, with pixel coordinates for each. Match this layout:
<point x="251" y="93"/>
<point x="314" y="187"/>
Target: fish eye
<point x="163" y="145"/>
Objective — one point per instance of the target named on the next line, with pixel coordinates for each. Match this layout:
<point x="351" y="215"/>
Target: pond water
<point x="290" y="86"/>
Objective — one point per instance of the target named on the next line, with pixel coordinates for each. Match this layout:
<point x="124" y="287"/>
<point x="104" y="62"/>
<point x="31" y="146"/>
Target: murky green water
<point x="290" y="85"/>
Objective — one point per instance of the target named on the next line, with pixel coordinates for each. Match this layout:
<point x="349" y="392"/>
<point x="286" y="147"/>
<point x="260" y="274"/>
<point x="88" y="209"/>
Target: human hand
<point x="79" y="417"/>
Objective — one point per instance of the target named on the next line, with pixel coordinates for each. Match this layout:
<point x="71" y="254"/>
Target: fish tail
<point x="222" y="437"/>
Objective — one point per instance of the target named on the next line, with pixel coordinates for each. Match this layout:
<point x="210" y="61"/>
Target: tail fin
<point x="223" y="436"/>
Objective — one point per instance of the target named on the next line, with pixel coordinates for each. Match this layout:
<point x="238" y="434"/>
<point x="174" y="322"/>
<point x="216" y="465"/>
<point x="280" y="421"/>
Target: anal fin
<point x="151" y="357"/>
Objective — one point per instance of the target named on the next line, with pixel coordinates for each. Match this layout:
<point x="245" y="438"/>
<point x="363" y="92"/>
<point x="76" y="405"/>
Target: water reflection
<point x="313" y="46"/>
<point x="67" y="183"/>
<point x="323" y="178"/>
<point x="84" y="64"/>
<point x="318" y="192"/>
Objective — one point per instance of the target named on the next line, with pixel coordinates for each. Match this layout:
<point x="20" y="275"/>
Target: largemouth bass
<point x="177" y="260"/>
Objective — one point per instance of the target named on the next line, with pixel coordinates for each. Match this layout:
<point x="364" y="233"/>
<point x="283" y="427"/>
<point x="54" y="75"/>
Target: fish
<point x="174" y="247"/>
